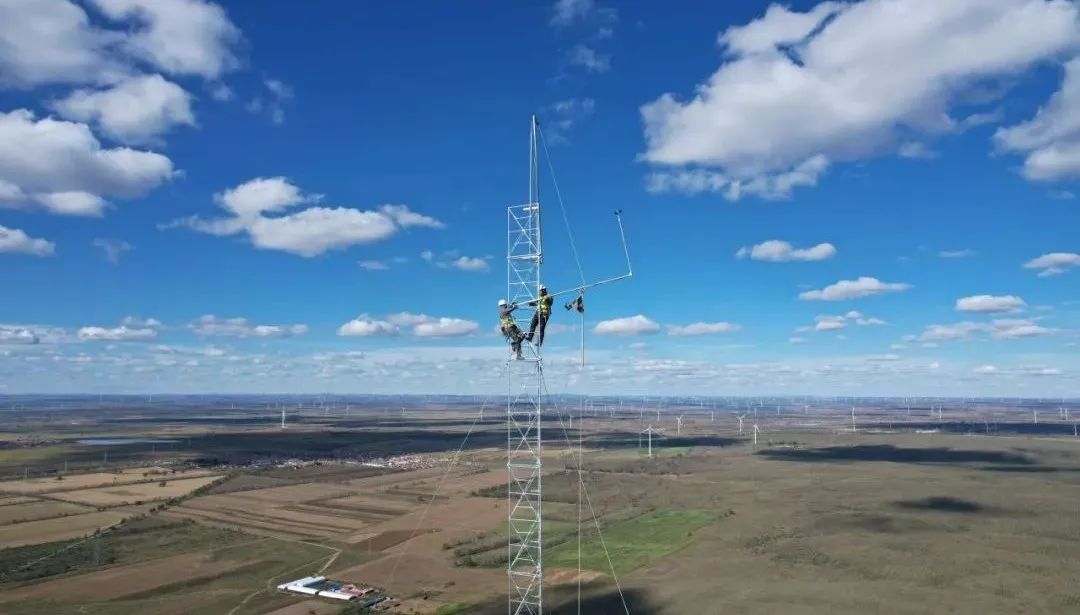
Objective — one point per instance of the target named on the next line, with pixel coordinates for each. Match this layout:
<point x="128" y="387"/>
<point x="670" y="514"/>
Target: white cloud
<point x="990" y="304"/>
<point x="467" y="263"/>
<point x="427" y="255"/>
<point x="210" y="325"/>
<point x="826" y="84"/>
<point x="15" y="241"/>
<point x="422" y="326"/>
<point x="829" y="323"/>
<point x="985" y="370"/>
<point x="778" y="251"/>
<point x="51" y="41"/>
<point x="307" y="232"/>
<point x="916" y="150"/>
<point x="137" y="110"/>
<point x="445" y="327"/>
<point x="1054" y="263"/>
<point x="313" y="231"/>
<point x="631" y="325"/>
<point x="407" y="218"/>
<point x="262" y="195"/>
<point x="774" y="187"/>
<point x="1013" y="328"/>
<point x="406" y="319"/>
<point x="112" y="250"/>
<point x="366" y="326"/>
<point x="852" y="289"/>
<point x="374" y="265"/>
<point x="62" y="167"/>
<point x="122" y="333"/>
<point x="589" y="59"/>
<point x="1051" y="139"/>
<point x="17" y="335"/>
<point x="190" y="37"/>
<point x="141" y="323"/>
<point x="956" y="253"/>
<point x="702" y="328"/>
<point x="797" y="340"/>
<point x="1000" y="329"/>
<point x="567" y="12"/>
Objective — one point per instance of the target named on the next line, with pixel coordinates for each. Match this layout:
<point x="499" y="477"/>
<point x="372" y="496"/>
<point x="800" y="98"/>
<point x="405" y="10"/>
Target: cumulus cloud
<point x="985" y="370"/>
<point x="853" y="289"/>
<point x="467" y="263"/>
<point x="210" y="325"/>
<point x="61" y="166"/>
<point x="17" y="335"/>
<point x="778" y="251"/>
<point x="308" y="232"/>
<point x="123" y="333"/>
<point x="825" y="85"/>
<point x="15" y="241"/>
<point x="187" y="37"/>
<point x="702" y="328"/>
<point x="990" y="304"/>
<point x="445" y="327"/>
<point x="1054" y="263"/>
<point x="141" y="323"/>
<point x="138" y="110"/>
<point x="1000" y="329"/>
<point x="630" y="325"/>
<point x="112" y="250"/>
<point x="1050" y="140"/>
<point x="422" y="325"/>
<point x="829" y="323"/>
<point x="366" y="326"/>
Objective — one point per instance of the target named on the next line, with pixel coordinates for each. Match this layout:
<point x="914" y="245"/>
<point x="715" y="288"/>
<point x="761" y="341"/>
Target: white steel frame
<point x="524" y="465"/>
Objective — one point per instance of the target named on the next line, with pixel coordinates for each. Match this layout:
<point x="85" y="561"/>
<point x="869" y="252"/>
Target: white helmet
<point x="502" y="302"/>
<point x="542" y="287"/>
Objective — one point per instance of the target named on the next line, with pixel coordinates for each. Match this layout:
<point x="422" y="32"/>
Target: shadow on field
<point x="942" y="504"/>
<point x="886" y="452"/>
<point x="563" y="601"/>
<point x="632" y="440"/>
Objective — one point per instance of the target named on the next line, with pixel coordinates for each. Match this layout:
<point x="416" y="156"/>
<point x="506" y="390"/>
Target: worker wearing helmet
<point x="540" y="317"/>
<point x="509" y="328"/>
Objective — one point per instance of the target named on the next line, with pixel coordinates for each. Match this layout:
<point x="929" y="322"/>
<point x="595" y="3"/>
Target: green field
<point x="632" y="543"/>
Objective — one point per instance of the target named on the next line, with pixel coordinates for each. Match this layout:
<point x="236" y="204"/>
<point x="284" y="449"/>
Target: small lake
<point x="120" y="441"/>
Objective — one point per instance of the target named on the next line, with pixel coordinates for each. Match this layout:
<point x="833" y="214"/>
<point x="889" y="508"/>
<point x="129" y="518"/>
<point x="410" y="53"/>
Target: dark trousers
<point x="538" y="324"/>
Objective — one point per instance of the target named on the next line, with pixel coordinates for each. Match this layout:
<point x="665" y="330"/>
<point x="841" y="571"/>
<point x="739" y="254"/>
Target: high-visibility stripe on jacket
<point x="544" y="305"/>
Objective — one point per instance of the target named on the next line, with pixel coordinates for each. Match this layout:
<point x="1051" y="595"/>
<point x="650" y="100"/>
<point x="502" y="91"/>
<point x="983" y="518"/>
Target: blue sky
<point x="819" y="198"/>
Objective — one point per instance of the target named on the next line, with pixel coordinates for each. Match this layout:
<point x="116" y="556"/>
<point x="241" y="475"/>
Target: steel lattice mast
<point x="524" y="256"/>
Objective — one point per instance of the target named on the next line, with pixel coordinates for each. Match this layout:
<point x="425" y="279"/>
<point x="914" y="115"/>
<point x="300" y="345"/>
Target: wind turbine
<point x="283" y="418"/>
<point x="650" y="432"/>
<point x="741" y="416"/>
<point x="756" y="430"/>
<point x="853" y="418"/>
<point x="678" y="425"/>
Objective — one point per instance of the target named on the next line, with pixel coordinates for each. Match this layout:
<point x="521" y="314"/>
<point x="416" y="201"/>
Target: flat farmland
<point x="74" y="482"/>
<point x="34" y="510"/>
<point x="129" y="493"/>
<point x="60" y="528"/>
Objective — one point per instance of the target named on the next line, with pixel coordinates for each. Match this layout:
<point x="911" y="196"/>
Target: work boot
<point x="519" y="356"/>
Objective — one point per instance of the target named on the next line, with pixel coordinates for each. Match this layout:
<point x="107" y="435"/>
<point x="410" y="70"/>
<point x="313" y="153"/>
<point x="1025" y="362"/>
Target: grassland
<point x="633" y="543"/>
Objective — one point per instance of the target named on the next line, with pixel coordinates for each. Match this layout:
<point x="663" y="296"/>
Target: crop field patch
<point x="34" y="510"/>
<point x="61" y="528"/>
<point x="98" y="479"/>
<point x="137" y="492"/>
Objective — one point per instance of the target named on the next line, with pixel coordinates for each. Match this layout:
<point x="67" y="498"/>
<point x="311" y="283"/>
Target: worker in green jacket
<point x="540" y="317"/>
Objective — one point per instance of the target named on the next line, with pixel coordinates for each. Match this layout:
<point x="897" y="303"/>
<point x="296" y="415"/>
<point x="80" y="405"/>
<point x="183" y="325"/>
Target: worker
<point x="577" y="304"/>
<point x="509" y="328"/>
<point x="540" y="317"/>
